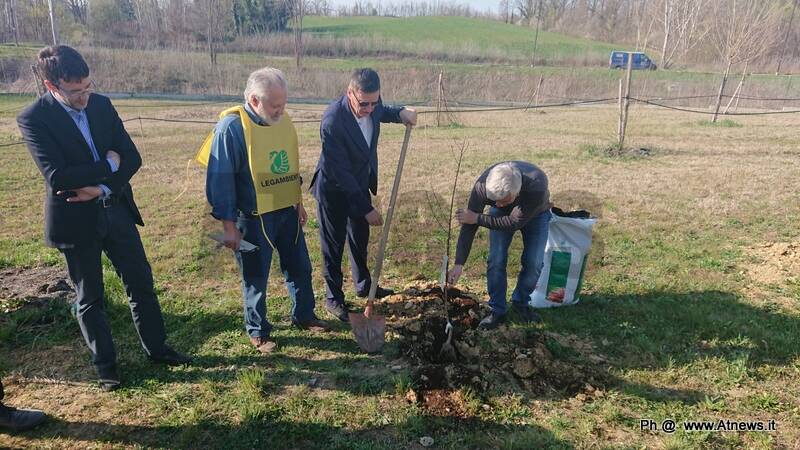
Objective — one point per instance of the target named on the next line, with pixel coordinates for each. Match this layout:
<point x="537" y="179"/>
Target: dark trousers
<point x="118" y="237"/>
<point x="1" y="392"/>
<point x="284" y="232"/>
<point x="335" y="226"/>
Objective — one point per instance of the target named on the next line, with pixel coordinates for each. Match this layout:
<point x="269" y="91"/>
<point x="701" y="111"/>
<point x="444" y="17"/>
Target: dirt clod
<point x="511" y="358"/>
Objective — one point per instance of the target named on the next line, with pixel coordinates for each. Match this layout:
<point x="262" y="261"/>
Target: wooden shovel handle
<point x="376" y="273"/>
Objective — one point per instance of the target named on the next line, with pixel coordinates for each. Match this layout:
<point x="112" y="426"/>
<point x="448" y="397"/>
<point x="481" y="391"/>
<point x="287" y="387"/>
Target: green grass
<point x="24" y="50"/>
<point x="724" y="123"/>
<point x="458" y="34"/>
<point x="667" y="299"/>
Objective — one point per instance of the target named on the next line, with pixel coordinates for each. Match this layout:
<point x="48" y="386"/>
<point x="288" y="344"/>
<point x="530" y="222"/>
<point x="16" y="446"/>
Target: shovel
<point x="369" y="328"/>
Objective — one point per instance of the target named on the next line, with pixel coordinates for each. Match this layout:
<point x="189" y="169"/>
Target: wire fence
<point x="461" y="107"/>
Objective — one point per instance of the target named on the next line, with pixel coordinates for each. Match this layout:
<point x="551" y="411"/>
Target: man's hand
<point x="231" y="237"/>
<point x="466" y="217"/>
<point x="374" y="218"/>
<point x="455" y="274"/>
<point x="409" y="116"/>
<point x="83" y="194"/>
<point x="301" y="213"/>
<point x="111" y="154"/>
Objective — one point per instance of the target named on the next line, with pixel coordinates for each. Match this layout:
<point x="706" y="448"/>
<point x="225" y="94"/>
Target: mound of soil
<point x="512" y="358"/>
<point x="776" y="262"/>
<point x="32" y="287"/>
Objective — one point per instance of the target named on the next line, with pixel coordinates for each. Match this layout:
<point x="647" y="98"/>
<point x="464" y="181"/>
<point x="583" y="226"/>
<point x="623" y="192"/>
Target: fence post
<point x="439" y="95"/>
<point x="626" y="102"/>
<point x="619" y="104"/>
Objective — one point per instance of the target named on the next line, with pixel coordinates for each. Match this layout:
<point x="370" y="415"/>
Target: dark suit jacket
<point x="65" y="160"/>
<point x="347" y="167"/>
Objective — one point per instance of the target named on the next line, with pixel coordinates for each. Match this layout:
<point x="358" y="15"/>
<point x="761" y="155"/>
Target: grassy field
<point x="677" y="297"/>
<point x="482" y="60"/>
<point x="460" y="36"/>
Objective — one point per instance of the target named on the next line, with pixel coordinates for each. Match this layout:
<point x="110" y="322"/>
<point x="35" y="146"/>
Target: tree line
<point x="676" y="33"/>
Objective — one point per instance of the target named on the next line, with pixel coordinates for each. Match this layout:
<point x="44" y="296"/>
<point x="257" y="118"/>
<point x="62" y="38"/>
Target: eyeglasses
<point x="365" y="104"/>
<point x="78" y="92"/>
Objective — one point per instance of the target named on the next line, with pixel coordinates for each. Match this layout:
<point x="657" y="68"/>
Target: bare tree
<point x="53" y="23"/>
<point x="215" y="20"/>
<point x="526" y="10"/>
<point x="79" y="9"/>
<point x="683" y="26"/>
<point x="741" y="31"/>
<point x="786" y="37"/>
<point x="297" y="10"/>
<point x="11" y="19"/>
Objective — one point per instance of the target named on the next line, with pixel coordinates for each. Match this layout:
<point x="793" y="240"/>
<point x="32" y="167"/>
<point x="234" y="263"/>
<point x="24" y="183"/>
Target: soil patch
<point x="775" y="263"/>
<point x="514" y="358"/>
<point x="33" y="287"/>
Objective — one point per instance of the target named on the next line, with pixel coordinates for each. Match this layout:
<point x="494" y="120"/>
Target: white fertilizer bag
<point x="565" y="256"/>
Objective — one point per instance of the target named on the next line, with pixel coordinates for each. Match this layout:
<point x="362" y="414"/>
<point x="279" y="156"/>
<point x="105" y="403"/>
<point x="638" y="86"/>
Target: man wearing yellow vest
<point x="253" y="186"/>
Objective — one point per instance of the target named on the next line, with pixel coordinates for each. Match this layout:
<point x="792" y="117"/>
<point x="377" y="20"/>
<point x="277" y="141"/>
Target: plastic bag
<point x="568" y="244"/>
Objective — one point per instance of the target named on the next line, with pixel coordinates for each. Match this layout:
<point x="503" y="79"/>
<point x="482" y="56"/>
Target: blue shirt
<point x="82" y="122"/>
<point x="229" y="183"/>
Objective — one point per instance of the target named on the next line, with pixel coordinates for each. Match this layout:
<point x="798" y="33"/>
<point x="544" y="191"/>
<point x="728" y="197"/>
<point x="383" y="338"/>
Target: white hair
<point x="503" y="180"/>
<point x="261" y="81"/>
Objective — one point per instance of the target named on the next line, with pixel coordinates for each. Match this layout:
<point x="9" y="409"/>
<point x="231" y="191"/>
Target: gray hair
<point x="262" y="80"/>
<point x="503" y="180"/>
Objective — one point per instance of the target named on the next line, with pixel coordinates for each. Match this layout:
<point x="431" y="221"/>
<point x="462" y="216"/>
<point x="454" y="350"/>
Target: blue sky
<point x="480" y="5"/>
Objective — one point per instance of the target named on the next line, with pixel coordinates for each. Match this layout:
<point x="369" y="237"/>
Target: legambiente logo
<point x="280" y="162"/>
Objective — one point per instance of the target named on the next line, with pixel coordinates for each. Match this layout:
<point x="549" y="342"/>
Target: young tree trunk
<point x="536" y="33"/>
<point x="12" y="20"/>
<point x="667" y="33"/>
<point x="721" y="90"/>
<point x="786" y="38"/>
<point x="298" y="36"/>
<point x="737" y="92"/>
<point x="53" y="24"/>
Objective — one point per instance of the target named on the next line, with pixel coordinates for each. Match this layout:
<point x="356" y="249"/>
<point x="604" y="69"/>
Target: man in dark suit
<point x="346" y="173"/>
<point x="87" y="158"/>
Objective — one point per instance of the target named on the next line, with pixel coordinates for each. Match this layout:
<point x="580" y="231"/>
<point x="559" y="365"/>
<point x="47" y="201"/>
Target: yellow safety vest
<point x="274" y="158"/>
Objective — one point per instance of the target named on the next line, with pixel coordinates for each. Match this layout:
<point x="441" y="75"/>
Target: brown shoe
<point x="314" y="325"/>
<point x="264" y="345"/>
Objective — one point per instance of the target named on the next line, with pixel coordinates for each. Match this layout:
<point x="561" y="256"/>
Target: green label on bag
<point x="559" y="270"/>
<point x="580" y="278"/>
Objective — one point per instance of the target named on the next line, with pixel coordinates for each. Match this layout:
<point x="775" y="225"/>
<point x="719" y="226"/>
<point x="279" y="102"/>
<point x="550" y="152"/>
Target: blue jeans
<point x="534" y="239"/>
<point x="283" y="228"/>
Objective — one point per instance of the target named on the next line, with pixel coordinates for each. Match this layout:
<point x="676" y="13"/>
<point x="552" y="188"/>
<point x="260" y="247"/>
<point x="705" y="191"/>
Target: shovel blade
<point x="369" y="332"/>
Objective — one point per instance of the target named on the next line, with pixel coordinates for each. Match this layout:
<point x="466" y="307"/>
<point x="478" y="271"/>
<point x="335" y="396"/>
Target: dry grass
<point x="673" y="228"/>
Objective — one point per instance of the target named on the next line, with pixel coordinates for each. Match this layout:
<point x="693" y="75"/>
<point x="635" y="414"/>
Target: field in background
<point x="409" y="80"/>
<point x="673" y="296"/>
<point x="459" y="37"/>
<point x="482" y="61"/>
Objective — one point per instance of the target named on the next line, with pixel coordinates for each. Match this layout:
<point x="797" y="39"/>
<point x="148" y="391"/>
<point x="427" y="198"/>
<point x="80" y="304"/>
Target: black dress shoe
<point x="108" y="379"/>
<point x="171" y="358"/>
<point x="19" y="419"/>
<point x="380" y="292"/>
<point x="526" y="313"/>
<point x="338" y="310"/>
<point x="491" y="321"/>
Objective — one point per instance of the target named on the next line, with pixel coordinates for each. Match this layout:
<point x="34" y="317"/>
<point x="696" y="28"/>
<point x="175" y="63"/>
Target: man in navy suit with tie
<point x="346" y="174"/>
<point x="87" y="158"/>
